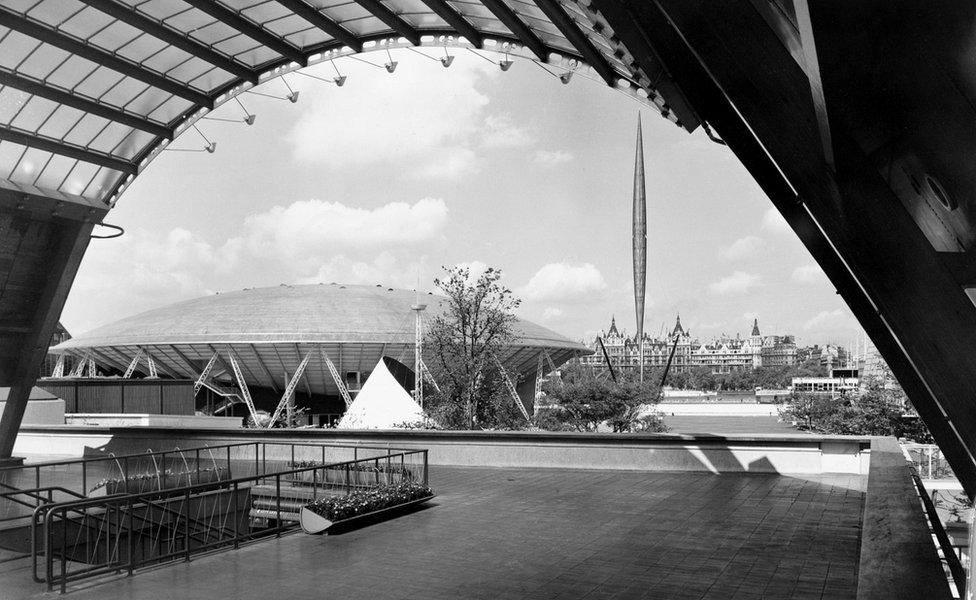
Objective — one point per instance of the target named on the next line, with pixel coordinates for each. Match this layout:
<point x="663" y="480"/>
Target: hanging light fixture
<point x="392" y="65"/>
<point x="447" y="60"/>
<point x="248" y="117"/>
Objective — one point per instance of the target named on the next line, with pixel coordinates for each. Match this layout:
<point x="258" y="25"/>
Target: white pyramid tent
<point x="383" y="403"/>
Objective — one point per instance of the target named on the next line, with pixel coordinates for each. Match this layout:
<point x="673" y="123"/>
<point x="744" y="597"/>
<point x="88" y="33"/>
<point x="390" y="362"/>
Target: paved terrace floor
<point x="543" y="534"/>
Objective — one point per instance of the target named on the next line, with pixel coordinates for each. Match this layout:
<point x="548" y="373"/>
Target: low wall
<point x="717" y="409"/>
<point x="42" y="412"/>
<point x="644" y="452"/>
<point x="153" y="420"/>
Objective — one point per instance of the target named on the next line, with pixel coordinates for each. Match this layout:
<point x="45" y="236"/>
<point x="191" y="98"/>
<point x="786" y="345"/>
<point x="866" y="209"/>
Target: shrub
<point x="339" y="508"/>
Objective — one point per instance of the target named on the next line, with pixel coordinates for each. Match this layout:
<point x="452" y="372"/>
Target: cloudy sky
<point x="392" y="176"/>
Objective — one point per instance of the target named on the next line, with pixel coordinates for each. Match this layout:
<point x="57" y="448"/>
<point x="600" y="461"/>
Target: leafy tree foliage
<point x="701" y="378"/>
<point x="877" y="409"/>
<point x="585" y="402"/>
<point x="462" y="345"/>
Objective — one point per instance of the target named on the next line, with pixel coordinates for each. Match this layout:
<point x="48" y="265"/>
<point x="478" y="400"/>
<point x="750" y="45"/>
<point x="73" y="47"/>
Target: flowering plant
<point x="338" y="508"/>
<point x="141" y="478"/>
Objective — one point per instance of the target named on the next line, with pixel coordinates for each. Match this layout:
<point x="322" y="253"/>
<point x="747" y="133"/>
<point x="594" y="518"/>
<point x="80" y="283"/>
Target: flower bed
<point x="321" y="514"/>
<point x="155" y="481"/>
<point x="361" y="473"/>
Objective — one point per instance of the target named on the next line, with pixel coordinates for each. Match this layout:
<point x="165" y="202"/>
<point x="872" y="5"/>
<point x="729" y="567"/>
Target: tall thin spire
<point x="640" y="242"/>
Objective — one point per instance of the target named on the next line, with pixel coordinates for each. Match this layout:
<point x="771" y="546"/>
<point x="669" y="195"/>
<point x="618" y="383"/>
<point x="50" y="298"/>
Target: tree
<point x="464" y="343"/>
<point x="877" y="409"/>
<point x="585" y="401"/>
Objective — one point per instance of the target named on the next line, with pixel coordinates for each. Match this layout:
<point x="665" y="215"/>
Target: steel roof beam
<point x="252" y="30"/>
<point x="264" y="367"/>
<point x="567" y="26"/>
<point x="89" y="106"/>
<point x="522" y="31"/>
<point x="101" y="57"/>
<point x="159" y="31"/>
<point x="56" y="147"/>
<point x="316" y="18"/>
<point x="453" y="18"/>
<point x="391" y="19"/>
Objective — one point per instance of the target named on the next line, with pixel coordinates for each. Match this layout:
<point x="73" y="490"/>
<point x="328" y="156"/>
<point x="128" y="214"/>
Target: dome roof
<point x="269" y="331"/>
<point x="328" y="313"/>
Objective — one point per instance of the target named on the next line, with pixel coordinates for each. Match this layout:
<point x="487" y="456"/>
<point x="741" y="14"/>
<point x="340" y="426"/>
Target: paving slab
<point x="545" y="533"/>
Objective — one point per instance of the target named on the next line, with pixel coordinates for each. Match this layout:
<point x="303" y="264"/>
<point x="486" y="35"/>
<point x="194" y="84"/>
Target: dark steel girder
<point x="519" y="29"/>
<point x="89" y="106"/>
<point x="252" y="30"/>
<point x="567" y="26"/>
<point x="456" y="20"/>
<point x="130" y="16"/>
<point x="313" y="16"/>
<point x="56" y="147"/>
<point x="391" y="19"/>
<point x="101" y="57"/>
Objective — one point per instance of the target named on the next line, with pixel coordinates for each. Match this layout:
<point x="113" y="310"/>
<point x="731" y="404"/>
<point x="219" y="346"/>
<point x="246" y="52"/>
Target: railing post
<point x="64" y="556"/>
<point x="186" y="531"/>
<point x="237" y="533"/>
<point x="315" y="483"/>
<point x="132" y="542"/>
<point x="256" y="472"/>
<point x="347" y="479"/>
<point x="426" y="479"/>
<point x="292" y="455"/>
<point x="278" y="497"/>
<point x="48" y="555"/>
<point x="197" y="459"/>
<point x="125" y="474"/>
<point x="84" y="478"/>
<point x="228" y="462"/>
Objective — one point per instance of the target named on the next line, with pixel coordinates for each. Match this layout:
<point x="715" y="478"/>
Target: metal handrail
<point x="45" y="514"/>
<point x="938" y="529"/>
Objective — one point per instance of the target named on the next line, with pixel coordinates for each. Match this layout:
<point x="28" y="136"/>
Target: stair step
<point x="260" y="513"/>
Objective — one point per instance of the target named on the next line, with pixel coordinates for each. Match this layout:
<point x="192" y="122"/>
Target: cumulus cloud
<point x="386" y="269"/>
<point x="308" y="241"/>
<point x="828" y="319"/>
<point x="427" y="122"/>
<point x="564" y="282"/>
<point x="773" y="222"/>
<point x="742" y="249"/>
<point x="551" y="313"/>
<point x="808" y="274"/>
<point x="739" y="282"/>
<point x="551" y="157"/>
<point x="501" y="131"/>
<point x="310" y="230"/>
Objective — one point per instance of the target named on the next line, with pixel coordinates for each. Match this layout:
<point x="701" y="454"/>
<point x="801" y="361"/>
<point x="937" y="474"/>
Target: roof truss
<point x="453" y="18"/>
<point x="116" y="63"/>
<point x="525" y="35"/>
<point x="130" y="16"/>
<point x="313" y="16"/>
<point x="249" y="28"/>
<point x="394" y="22"/>
<point x="77" y="102"/>
<point x="567" y="26"/>
<point x="77" y="152"/>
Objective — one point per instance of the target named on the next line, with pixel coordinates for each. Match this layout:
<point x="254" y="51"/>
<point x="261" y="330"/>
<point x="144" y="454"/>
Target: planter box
<point x="315" y="523"/>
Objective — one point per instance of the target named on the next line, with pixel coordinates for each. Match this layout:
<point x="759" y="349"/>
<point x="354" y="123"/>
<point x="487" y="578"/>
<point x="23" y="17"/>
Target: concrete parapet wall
<point x="42" y="412"/>
<point x="645" y="452"/>
<point x="718" y="409"/>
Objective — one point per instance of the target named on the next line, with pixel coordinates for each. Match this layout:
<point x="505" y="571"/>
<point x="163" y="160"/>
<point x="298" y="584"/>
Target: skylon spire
<point x="640" y="242"/>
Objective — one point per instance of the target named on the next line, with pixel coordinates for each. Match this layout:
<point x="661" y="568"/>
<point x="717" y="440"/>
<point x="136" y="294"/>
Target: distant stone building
<point x="725" y="354"/>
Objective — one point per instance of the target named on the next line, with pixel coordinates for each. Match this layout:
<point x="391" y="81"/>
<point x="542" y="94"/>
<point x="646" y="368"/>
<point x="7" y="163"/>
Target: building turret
<point x="755" y="328"/>
<point x="678" y="330"/>
<point x="613" y="326"/>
